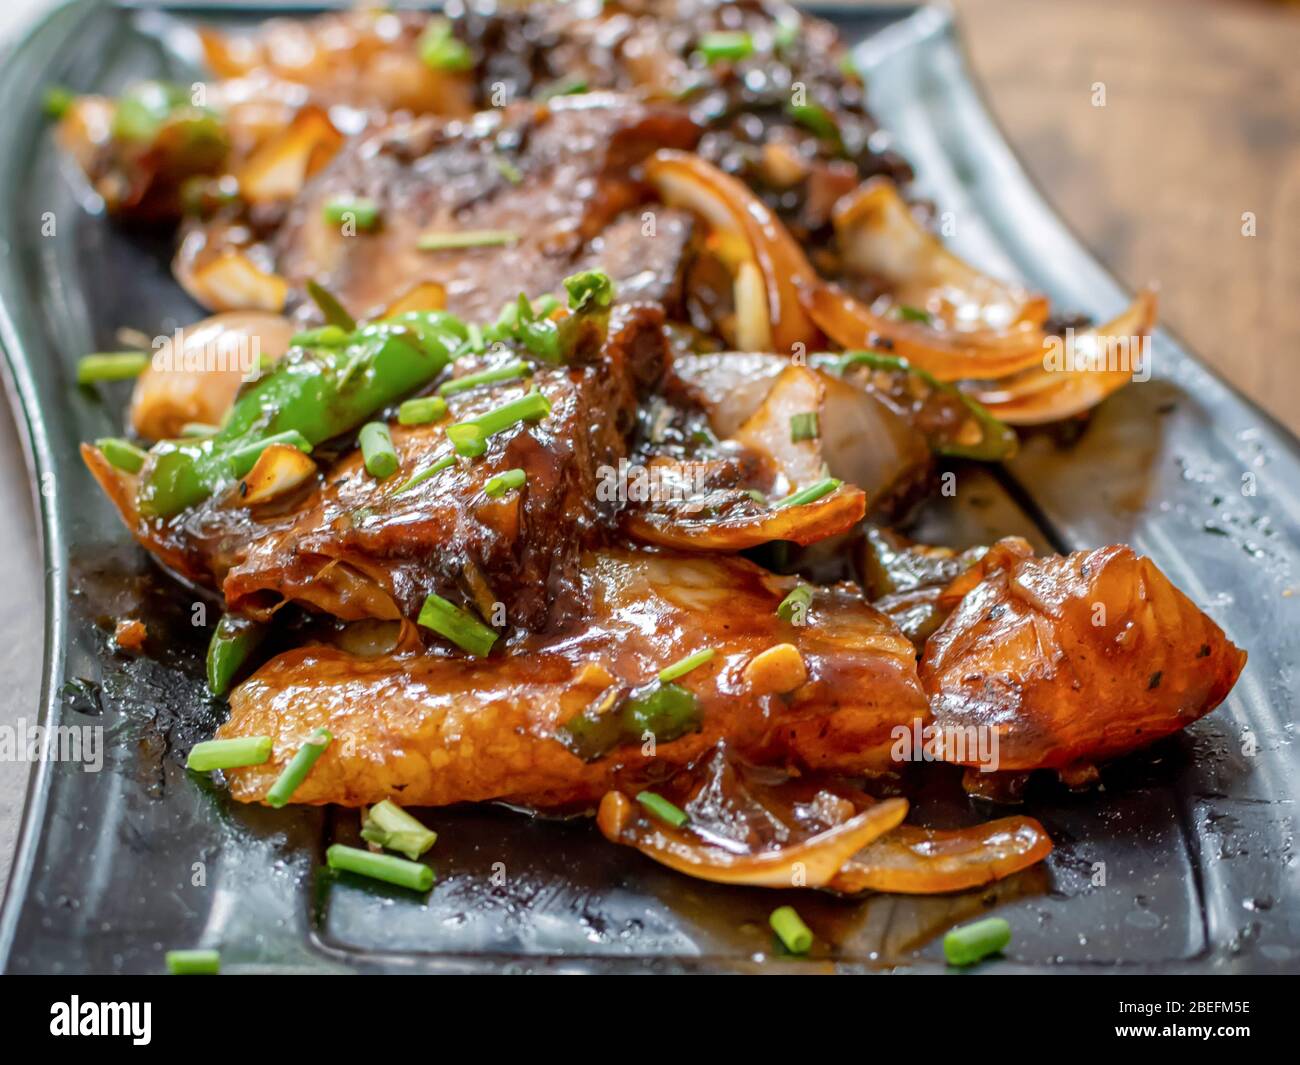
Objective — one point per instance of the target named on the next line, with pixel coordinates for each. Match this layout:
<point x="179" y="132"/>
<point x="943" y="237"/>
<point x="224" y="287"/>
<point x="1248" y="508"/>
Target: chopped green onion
<point x="594" y="287"/>
<point x="58" y="101"/>
<point x="795" y="936"/>
<point x="328" y="336"/>
<point x="457" y="625"/>
<point x="811" y="494"/>
<point x="508" y="170"/>
<point x="786" y="31"/>
<point x="466" y="238"/>
<point x="193" y="962"/>
<point x="662" y="808"/>
<point x="377" y="450"/>
<point x="487" y="377"/>
<point x="912" y="314"/>
<point x="795" y="604"/>
<point x="360" y="211"/>
<point x="564" y="87"/>
<point x="233" y="641"/>
<point x="504" y="482"/>
<point x="803" y="426"/>
<point x="229" y="754"/>
<point x="421" y="410"/>
<point x="414" y="875"/>
<point x="330" y="307"/>
<point x="470" y="437"/>
<point x="112" y="366"/>
<point x="387" y="825"/>
<point x="121" y="454"/>
<point x="191" y="430"/>
<point x="730" y="45"/>
<point x="298" y="768"/>
<point x="440" y="50"/>
<point x="420" y="476"/>
<point x="685" y="665"/>
<point x="244" y="457"/>
<point x="972" y="942"/>
<point x="816" y="119"/>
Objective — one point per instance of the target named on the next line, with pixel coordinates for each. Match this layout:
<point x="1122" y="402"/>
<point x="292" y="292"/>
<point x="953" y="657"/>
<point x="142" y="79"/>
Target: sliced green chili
<point x="233" y="641"/>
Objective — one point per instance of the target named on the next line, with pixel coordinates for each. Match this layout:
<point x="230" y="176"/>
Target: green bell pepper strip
<point x="318" y="393"/>
<point x="233" y="642"/>
<point x="997" y="442"/>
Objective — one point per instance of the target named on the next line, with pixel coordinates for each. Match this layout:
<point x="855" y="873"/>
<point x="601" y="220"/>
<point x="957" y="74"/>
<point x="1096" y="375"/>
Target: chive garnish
<point x="486" y="377"/>
<point x="193" y="962"/>
<point x="466" y="238"/>
<point x="804" y="426"/>
<point x="972" y="942"/>
<point x="420" y="476"/>
<point x="912" y="314"/>
<point x="387" y="825"/>
<point x="298" y="768"/>
<point x="229" y="754"/>
<point x="504" y="482"/>
<point x="330" y="307"/>
<point x="683" y="666"/>
<point x="121" y="454"/>
<point x="729" y="45"/>
<point x="811" y="494"/>
<point x="192" y="430"/>
<point x="414" y="875"/>
<point x="377" y="450"/>
<point x="112" y="366"/>
<point x="457" y="625"/>
<point x="795" y="936"/>
<point x="795" y="604"/>
<point x="360" y="210"/>
<point x="817" y="120"/>
<point x="421" y="410"/>
<point x="439" y="49"/>
<point x="508" y="170"/>
<point x="470" y="437"/>
<point x="662" y="808"/>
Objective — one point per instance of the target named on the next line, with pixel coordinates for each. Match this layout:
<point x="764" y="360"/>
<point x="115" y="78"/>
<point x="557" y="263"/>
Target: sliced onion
<point x="231" y="281"/>
<point x="880" y="237"/>
<point x="812" y="862"/>
<point x="1042" y="395"/>
<point x="686" y="180"/>
<point x="198" y="382"/>
<point x="424" y="296"/>
<point x="948" y="356"/>
<point x="803" y="524"/>
<point x="927" y="861"/>
<point x="278" y="169"/>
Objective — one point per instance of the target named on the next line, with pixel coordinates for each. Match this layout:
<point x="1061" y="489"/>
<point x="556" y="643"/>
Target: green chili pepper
<point x="234" y="640"/>
<point x="318" y="393"/>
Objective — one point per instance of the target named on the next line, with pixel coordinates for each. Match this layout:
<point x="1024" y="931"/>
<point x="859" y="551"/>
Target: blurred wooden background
<point x="1201" y="124"/>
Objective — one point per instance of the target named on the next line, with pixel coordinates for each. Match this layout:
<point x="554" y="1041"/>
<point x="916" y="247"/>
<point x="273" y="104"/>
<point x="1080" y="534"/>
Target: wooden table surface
<point x="1201" y="125"/>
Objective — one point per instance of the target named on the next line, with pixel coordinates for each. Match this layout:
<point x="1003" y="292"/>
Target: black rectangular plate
<point x="1184" y="863"/>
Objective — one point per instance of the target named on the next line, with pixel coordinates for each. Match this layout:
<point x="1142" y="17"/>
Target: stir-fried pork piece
<point x="564" y="718"/>
<point x="395" y="544"/>
<point x="520" y="197"/>
<point x="1073" y="660"/>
